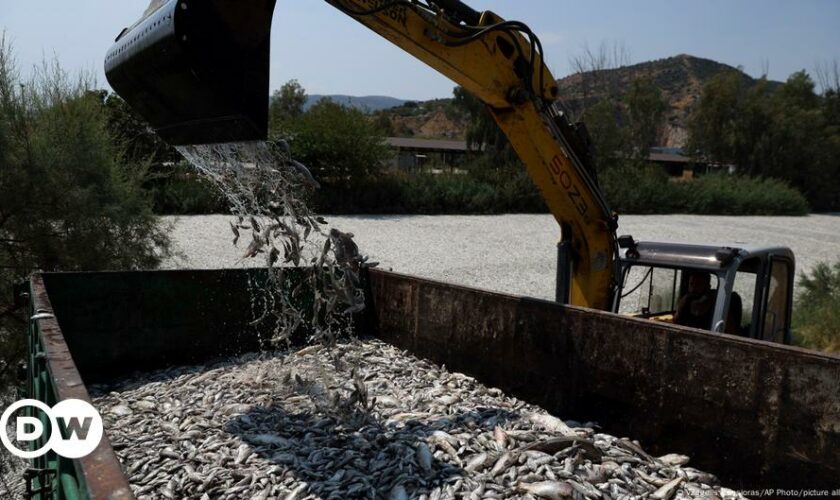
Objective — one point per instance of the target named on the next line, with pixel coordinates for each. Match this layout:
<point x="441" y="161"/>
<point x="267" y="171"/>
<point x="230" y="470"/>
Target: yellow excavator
<point x="198" y="71"/>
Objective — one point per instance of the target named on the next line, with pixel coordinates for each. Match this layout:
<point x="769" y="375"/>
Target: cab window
<point x="776" y="306"/>
<point x="650" y="291"/>
<point x="739" y="320"/>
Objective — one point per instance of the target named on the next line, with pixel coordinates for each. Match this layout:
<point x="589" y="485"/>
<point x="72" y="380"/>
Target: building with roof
<point x="412" y="154"/>
<point x="681" y="167"/>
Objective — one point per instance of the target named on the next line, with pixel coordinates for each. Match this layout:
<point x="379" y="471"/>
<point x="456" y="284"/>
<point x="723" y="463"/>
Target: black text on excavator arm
<point x="197" y="70"/>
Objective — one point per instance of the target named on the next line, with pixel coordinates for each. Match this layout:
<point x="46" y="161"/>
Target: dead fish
<point x="552" y="424"/>
<point x="344" y="248"/>
<point x="297" y="492"/>
<point x="357" y="307"/>
<point x="243" y="452"/>
<point x="547" y="489"/>
<point x="635" y="448"/>
<point x="235" y="231"/>
<point x="121" y="410"/>
<point x="273" y="256"/>
<point x="255" y="247"/>
<point x="500" y="436"/>
<point x="424" y="457"/>
<point x="478" y="462"/>
<point x="398" y="493"/>
<point x="501" y="464"/>
<point x="554" y="445"/>
<point x="658" y="482"/>
<point x="267" y="425"/>
<point x="674" y="459"/>
<point x="145" y="405"/>
<point x="268" y="439"/>
<point x="305" y="174"/>
<point x="283" y="146"/>
<point x="668" y="490"/>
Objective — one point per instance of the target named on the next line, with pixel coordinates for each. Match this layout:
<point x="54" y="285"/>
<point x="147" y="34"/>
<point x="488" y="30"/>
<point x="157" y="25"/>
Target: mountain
<point x="680" y="78"/>
<point x="365" y="103"/>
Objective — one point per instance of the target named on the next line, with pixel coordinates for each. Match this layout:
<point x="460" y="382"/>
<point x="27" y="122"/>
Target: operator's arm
<point x="682" y="306"/>
<point x="500" y="62"/>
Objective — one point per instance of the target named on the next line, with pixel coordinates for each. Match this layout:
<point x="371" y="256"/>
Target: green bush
<point x="180" y="190"/>
<point x="426" y="193"/>
<point x="340" y="145"/>
<point x="739" y="195"/>
<point x="638" y="190"/>
<point x="69" y="199"/>
<point x="816" y="318"/>
<point x="648" y="190"/>
<point x="504" y="187"/>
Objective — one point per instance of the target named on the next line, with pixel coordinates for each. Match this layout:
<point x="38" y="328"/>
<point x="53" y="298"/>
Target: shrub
<point x="638" y="190"/>
<point x="340" y="145"/>
<point x="722" y="194"/>
<point x="816" y="318"/>
<point x="180" y="190"/>
<point x="648" y="190"/>
<point x="68" y="199"/>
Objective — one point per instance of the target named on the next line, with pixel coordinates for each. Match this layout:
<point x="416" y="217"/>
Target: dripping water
<point x="267" y="192"/>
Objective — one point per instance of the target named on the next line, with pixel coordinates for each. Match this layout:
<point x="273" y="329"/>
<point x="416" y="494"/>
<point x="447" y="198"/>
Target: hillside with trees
<point x="435" y="119"/>
<point x="598" y="76"/>
<point x="680" y="79"/>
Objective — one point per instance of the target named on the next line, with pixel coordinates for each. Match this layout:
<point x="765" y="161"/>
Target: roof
<point x="426" y="144"/>
<point x="669" y="158"/>
<point x="711" y="256"/>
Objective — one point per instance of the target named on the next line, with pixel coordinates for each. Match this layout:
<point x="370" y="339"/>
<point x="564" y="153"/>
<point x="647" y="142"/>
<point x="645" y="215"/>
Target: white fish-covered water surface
<point x="365" y="420"/>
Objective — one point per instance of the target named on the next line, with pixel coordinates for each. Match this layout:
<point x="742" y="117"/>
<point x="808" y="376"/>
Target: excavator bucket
<point x="197" y="70"/>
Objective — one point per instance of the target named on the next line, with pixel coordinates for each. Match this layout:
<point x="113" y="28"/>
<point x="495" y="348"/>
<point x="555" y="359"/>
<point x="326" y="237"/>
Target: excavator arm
<point x="498" y="61"/>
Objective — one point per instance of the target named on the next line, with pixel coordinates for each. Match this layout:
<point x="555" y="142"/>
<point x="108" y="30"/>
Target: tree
<point x="287" y="103"/>
<point x="602" y="122"/>
<point x="342" y="146"/>
<point x="68" y="199"/>
<point x="645" y="108"/>
<point x="799" y="91"/>
<point x="788" y="132"/>
<point x="596" y="79"/>
<point x="133" y="134"/>
<point x="816" y="319"/>
<point x="383" y="122"/>
<point x="713" y="126"/>
<point x="482" y="130"/>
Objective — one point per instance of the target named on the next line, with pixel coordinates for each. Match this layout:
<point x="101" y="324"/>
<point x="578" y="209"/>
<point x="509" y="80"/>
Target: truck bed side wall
<point x="757" y="414"/>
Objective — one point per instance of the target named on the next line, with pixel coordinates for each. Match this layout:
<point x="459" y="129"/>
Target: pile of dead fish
<point x="365" y="420"/>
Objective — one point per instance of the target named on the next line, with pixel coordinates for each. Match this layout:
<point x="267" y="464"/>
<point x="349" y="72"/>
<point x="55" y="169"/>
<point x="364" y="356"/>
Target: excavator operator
<point x="696" y="307"/>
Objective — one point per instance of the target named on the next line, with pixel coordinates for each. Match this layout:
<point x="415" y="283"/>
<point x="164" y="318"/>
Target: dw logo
<point x="74" y="418"/>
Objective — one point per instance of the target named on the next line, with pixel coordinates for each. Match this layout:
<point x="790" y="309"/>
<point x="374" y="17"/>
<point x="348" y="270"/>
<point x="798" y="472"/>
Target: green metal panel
<point x="63" y="479"/>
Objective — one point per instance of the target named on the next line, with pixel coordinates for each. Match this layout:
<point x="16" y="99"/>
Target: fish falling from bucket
<point x="198" y="72"/>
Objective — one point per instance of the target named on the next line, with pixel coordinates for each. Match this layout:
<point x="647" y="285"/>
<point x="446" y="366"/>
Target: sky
<point x="329" y="53"/>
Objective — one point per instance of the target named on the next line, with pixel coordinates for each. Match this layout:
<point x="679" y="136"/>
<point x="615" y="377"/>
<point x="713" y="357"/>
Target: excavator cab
<point x="749" y="288"/>
<point x="197" y="70"/>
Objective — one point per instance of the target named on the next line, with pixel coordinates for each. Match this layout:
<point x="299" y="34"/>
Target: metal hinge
<point x="21" y="294"/>
<point x="45" y="480"/>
